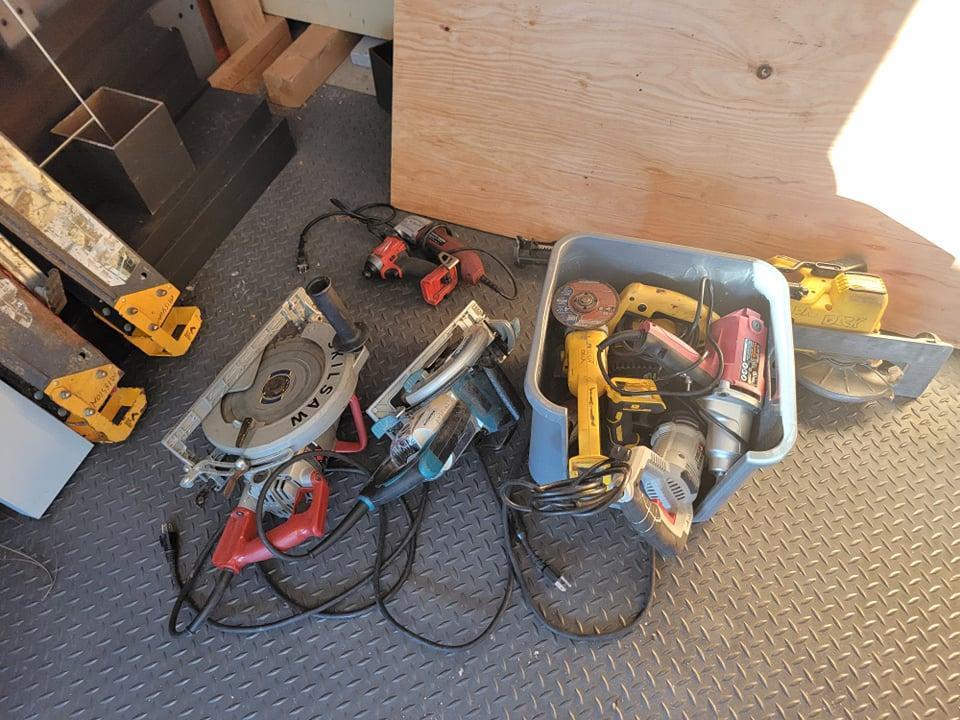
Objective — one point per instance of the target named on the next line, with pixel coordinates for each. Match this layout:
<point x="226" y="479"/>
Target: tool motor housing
<point x="835" y="295"/>
<point x="680" y="443"/>
<point x="742" y="339"/>
<point x="669" y="308"/>
<point x="386" y="259"/>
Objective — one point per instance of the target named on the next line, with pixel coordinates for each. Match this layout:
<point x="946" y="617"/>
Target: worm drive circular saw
<point x="842" y="352"/>
<point x="284" y="392"/>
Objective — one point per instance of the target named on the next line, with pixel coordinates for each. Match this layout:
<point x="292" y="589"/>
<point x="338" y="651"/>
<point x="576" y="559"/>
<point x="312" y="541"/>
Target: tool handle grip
<point x="380" y="492"/>
<point x="414" y="267"/>
<point x="360" y="444"/>
<point x="439" y="239"/>
<point x="350" y="336"/>
<point x="588" y="418"/>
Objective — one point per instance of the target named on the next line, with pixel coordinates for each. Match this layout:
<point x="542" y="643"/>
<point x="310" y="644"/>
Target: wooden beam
<point x="301" y="68"/>
<point x="239" y="20"/>
<point x="365" y="17"/>
<point x="243" y="71"/>
<point x="723" y="124"/>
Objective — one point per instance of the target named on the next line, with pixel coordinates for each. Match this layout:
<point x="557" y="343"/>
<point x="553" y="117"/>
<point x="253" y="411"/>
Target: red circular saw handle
<point x="239" y="545"/>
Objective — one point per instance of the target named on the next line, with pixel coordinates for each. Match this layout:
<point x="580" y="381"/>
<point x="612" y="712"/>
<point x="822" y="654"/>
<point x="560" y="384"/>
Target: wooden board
<point x="365" y="17"/>
<point x="239" y="21"/>
<point x="306" y="64"/>
<point x="243" y="71"/>
<point x="707" y="122"/>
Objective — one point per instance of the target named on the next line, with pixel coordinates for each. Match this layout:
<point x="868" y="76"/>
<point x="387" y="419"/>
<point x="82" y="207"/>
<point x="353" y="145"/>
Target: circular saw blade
<point x="842" y="380"/>
<point x="289" y="373"/>
<point x="585" y="304"/>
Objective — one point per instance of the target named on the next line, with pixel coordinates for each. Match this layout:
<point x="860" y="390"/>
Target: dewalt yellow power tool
<point x="670" y="309"/>
<point x="838" y="294"/>
<point x="585" y="307"/>
<point x="586" y="383"/>
<point x="842" y="352"/>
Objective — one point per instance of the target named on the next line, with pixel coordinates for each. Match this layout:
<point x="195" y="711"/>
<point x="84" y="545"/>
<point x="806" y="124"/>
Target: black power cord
<point x="383" y="559"/>
<point x="381" y="599"/>
<point x="540" y="615"/>
<point x="590" y="492"/>
<point x="169" y="540"/>
<point x="377" y="225"/>
<point x="580" y="496"/>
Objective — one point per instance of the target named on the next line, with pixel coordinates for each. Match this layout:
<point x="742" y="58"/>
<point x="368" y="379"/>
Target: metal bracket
<point x="94" y="402"/>
<point x="185" y="16"/>
<point x="919" y="358"/>
<point x="157" y="326"/>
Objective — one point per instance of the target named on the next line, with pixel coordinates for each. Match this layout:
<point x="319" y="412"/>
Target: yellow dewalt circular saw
<point x="841" y="351"/>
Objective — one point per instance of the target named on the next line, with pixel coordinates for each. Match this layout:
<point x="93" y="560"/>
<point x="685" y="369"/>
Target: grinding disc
<point x="290" y="372"/>
<point x="585" y="304"/>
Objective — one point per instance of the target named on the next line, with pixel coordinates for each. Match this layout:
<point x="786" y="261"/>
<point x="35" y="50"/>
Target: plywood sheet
<point x="706" y="123"/>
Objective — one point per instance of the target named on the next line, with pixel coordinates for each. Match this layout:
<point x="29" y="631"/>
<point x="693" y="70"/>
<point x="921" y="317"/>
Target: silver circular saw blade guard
<point x="295" y="396"/>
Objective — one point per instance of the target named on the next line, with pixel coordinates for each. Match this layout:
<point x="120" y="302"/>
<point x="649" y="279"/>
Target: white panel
<point x="39" y="454"/>
<point x="366" y="17"/>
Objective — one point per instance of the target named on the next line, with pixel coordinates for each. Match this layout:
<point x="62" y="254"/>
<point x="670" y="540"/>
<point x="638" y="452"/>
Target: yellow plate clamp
<point x="160" y="328"/>
<point x="94" y="403"/>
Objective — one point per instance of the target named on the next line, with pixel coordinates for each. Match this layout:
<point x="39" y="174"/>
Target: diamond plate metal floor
<point x="831" y="588"/>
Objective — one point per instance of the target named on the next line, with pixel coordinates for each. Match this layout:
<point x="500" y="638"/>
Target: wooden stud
<point x="243" y="71"/>
<point x="302" y="67"/>
<point x="239" y="20"/>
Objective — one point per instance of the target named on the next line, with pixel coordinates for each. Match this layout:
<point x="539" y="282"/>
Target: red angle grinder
<point x="741" y="340"/>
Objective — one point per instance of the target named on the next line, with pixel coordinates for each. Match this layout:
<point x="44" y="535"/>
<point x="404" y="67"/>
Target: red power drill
<point x="391" y="260"/>
<point x="433" y="238"/>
